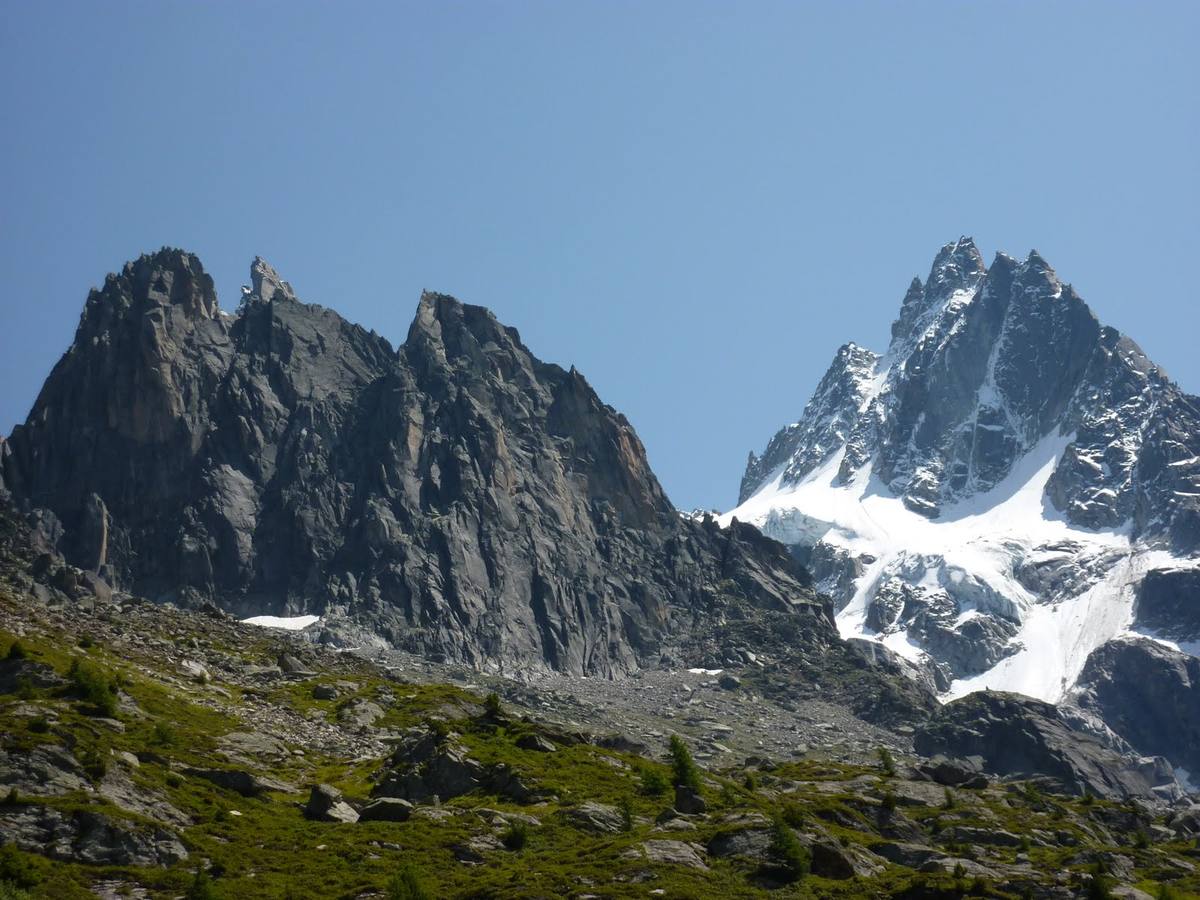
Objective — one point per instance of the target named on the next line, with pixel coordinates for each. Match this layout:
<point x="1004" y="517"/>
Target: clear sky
<point x="694" y="202"/>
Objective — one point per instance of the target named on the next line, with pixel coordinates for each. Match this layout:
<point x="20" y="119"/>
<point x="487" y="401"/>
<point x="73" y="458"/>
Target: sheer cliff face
<point x="456" y="496"/>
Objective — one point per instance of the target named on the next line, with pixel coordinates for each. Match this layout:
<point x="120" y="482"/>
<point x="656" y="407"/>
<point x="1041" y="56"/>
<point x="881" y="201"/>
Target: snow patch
<point x="287" y="623"/>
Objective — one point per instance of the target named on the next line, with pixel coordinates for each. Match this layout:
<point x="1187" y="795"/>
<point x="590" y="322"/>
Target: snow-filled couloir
<point x="989" y="495"/>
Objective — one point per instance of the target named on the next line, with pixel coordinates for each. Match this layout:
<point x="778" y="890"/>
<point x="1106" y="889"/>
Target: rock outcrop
<point x="1014" y="736"/>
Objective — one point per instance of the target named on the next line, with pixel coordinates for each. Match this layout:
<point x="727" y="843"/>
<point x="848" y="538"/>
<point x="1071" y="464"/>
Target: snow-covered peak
<point x="987" y="494"/>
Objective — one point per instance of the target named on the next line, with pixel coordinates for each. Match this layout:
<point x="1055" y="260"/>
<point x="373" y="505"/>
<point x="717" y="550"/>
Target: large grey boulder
<point x="325" y="804"/>
<point x="597" y="818"/>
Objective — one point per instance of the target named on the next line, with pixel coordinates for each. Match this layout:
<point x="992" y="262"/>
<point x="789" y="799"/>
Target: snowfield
<point x="981" y="539"/>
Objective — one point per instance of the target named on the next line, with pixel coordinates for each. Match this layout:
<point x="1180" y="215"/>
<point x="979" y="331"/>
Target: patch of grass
<point x="406" y="885"/>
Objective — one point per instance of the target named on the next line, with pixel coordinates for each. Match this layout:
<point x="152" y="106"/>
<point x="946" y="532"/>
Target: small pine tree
<point x="786" y="851"/>
<point x="626" y="808"/>
<point x="683" y="767"/>
<point x="491" y="705"/>
<point x="92" y="685"/>
<point x="887" y="762"/>
<point x="16" y="650"/>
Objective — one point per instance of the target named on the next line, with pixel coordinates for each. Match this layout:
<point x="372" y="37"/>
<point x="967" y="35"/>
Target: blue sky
<point x="694" y="202"/>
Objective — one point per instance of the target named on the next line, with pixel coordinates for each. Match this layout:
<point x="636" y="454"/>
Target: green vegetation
<point x="406" y="885"/>
<point x="262" y="848"/>
<point x="887" y="763"/>
<point x="683" y="768"/>
<point x="517" y="836"/>
<point x="786" y="851"/>
<point x="652" y="782"/>
<point x="94" y="686"/>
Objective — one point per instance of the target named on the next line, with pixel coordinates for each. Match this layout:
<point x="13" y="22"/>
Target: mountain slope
<point x="990" y="492"/>
<point x="456" y="496"/>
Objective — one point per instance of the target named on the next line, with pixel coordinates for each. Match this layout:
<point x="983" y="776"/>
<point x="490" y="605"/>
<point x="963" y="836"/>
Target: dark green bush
<point x="626" y="807"/>
<point x="516" y="837"/>
<point x="201" y="887"/>
<point x="652" y="782"/>
<point x="16" y="650"/>
<point x="94" y="686"/>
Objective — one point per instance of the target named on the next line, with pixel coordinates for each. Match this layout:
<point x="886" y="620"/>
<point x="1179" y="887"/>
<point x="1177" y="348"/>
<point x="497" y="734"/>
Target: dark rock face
<point x="1168" y="603"/>
<point x="983" y="364"/>
<point x="457" y="496"/>
<point x="1149" y="695"/>
<point x="1013" y="735"/>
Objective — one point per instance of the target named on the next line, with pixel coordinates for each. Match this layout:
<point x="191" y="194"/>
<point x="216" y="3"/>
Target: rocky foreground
<point x="151" y="752"/>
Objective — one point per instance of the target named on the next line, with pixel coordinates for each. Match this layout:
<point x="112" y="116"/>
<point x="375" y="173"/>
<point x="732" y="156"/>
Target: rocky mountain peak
<point x="266" y="283"/>
<point x="956" y="271"/>
<point x="957" y="266"/>
<point x="457" y="497"/>
<point x="167" y="284"/>
<point x="1006" y="457"/>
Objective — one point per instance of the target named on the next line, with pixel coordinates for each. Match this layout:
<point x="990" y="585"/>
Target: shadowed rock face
<point x="1149" y="695"/>
<point x="456" y="496"/>
<point x="1018" y="736"/>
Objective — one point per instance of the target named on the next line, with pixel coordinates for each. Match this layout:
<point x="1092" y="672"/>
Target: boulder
<point x="360" y="713"/>
<point x="964" y="773"/>
<point x="423" y="767"/>
<point x="674" y="853"/>
<point x="747" y="842"/>
<point x="596" y="818"/>
<point x="386" y="809"/>
<point x="325" y="804"/>
<point x="239" y="781"/>
<point x="689" y="801"/>
<point x="535" y="742"/>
